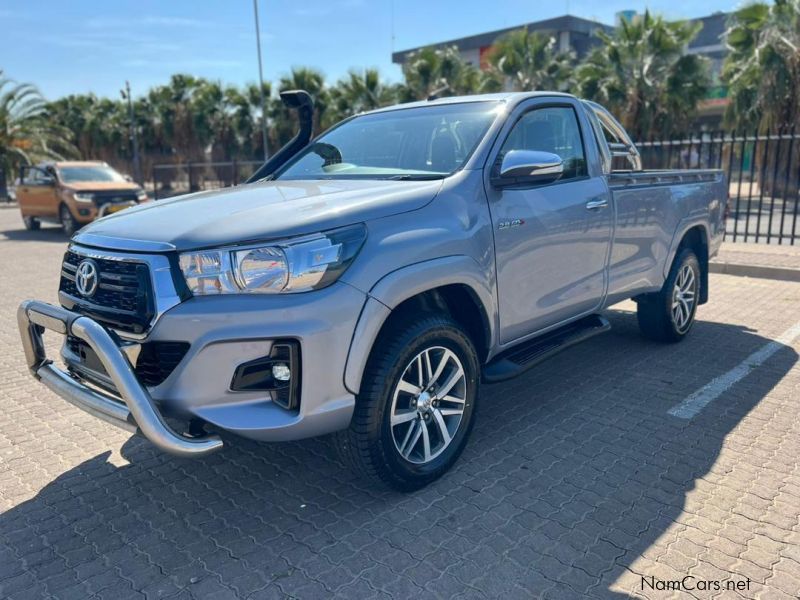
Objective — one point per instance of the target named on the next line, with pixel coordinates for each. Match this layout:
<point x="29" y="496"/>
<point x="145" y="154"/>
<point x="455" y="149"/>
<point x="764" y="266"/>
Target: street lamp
<point x="261" y="84"/>
<point x="137" y="167"/>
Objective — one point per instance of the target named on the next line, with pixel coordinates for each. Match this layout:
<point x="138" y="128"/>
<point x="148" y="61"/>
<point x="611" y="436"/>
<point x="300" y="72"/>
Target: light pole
<point x="137" y="167"/>
<point x="261" y="84"/>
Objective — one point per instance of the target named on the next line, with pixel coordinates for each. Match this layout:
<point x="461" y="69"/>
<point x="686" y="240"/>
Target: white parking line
<point x="715" y="388"/>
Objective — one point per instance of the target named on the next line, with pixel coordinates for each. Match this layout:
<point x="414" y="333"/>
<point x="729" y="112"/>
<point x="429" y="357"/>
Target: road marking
<point x="715" y="388"/>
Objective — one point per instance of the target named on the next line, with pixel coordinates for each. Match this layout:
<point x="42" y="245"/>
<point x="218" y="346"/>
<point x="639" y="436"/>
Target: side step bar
<point x="520" y="358"/>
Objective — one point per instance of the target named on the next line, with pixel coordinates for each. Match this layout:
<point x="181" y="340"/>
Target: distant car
<point x="73" y="193"/>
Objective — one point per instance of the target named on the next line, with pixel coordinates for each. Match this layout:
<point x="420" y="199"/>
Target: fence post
<point x="191" y="178"/>
<point x="761" y="177"/>
<point x="752" y="180"/>
<point x="4" y="195"/>
<point x="796" y="206"/>
<point x="786" y="179"/>
<point x="772" y="184"/>
<point x="155" y="183"/>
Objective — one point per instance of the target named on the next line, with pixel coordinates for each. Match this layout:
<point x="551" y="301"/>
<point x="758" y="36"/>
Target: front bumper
<point x="86" y="212"/>
<point x="137" y="412"/>
<point x="222" y="333"/>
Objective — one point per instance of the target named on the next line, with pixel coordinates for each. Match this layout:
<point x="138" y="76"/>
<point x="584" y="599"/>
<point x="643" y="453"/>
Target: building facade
<point x="580" y="35"/>
<point x="571" y="33"/>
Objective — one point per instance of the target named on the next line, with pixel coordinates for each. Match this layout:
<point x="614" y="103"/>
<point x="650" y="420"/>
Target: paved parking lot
<point x="577" y="482"/>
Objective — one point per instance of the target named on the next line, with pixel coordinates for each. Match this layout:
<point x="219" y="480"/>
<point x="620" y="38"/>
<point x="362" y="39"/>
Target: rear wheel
<point x="68" y="222"/>
<point x="668" y="315"/>
<point x="416" y="406"/>
<point x="31" y="223"/>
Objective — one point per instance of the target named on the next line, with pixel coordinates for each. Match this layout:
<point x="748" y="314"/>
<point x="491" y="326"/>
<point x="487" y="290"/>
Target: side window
<point x="553" y="129"/>
<point x="33" y="176"/>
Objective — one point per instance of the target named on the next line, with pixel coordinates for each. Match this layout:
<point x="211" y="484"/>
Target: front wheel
<point x="68" y="222"/>
<point x="668" y="315"/>
<point x="416" y="406"/>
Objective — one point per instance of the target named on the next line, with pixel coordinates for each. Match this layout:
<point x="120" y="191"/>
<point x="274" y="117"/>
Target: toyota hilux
<point x="364" y="282"/>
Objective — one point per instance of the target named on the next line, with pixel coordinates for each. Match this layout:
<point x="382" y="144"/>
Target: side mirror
<point x="528" y="166"/>
<point x="127" y="178"/>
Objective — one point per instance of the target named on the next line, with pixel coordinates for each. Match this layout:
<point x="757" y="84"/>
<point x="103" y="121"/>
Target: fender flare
<point x="680" y="232"/>
<point x="407" y="282"/>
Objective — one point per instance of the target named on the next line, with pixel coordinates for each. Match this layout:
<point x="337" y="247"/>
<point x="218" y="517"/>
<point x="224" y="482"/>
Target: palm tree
<point x="762" y="68"/>
<point x="762" y="71"/>
<point x="641" y="74"/>
<point x="442" y="71"/>
<point x="359" y="92"/>
<point x="528" y="60"/>
<point x="26" y="135"/>
<point x="244" y="106"/>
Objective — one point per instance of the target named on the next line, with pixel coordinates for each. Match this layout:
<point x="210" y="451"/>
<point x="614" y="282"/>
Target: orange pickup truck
<point x="73" y="193"/>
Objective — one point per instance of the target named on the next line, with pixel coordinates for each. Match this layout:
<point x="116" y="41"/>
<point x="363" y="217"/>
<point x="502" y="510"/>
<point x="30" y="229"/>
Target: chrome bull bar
<point x="138" y="414"/>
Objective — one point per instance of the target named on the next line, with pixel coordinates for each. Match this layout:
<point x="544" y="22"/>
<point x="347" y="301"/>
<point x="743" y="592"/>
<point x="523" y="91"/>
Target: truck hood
<point x="254" y="212"/>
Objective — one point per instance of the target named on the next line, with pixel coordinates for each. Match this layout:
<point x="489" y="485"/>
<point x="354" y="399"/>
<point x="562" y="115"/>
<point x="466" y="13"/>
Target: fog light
<point x="281" y="372"/>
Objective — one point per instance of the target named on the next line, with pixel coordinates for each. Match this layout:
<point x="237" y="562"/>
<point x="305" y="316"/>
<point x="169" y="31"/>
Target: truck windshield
<point x="89" y="173"/>
<point x="427" y="142"/>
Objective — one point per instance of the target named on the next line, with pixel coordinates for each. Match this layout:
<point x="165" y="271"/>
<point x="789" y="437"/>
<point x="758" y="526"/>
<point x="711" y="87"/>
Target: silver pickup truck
<point x="366" y="281"/>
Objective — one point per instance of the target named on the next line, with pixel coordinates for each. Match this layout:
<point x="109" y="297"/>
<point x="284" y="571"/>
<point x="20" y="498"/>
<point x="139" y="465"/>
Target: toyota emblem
<point x="87" y="278"/>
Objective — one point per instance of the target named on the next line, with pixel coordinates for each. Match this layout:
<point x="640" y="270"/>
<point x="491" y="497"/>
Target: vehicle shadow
<point x="47" y="233"/>
<point x="574" y="470"/>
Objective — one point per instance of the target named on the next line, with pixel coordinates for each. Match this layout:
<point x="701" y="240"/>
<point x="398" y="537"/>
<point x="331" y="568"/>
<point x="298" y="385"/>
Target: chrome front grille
<point x="135" y="287"/>
<point x="123" y="298"/>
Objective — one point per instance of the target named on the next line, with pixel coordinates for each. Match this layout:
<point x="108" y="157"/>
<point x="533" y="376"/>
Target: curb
<point x="756" y="271"/>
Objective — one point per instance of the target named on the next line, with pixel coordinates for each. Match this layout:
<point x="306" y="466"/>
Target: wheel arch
<point x="455" y="285"/>
<point x="696" y="237"/>
<point x="63" y="204"/>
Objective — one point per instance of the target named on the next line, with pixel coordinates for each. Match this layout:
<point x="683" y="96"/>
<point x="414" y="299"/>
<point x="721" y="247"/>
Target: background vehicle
<point x="73" y="193"/>
<point x="366" y="281"/>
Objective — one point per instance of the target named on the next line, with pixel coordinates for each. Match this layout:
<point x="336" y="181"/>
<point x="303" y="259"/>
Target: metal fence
<point x="4" y="195"/>
<point x="173" y="179"/>
<point x="763" y="177"/>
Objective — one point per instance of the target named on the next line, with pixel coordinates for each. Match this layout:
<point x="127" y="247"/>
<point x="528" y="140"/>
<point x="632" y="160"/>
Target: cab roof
<point x="74" y="163"/>
<point x="511" y="98"/>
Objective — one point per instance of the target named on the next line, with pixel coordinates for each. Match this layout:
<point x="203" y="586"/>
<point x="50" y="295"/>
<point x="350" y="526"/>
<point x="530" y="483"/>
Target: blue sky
<point x="81" y="46"/>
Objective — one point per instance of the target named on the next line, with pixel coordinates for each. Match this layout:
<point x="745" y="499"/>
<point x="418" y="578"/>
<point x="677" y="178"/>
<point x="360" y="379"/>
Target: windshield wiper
<point x="416" y="177"/>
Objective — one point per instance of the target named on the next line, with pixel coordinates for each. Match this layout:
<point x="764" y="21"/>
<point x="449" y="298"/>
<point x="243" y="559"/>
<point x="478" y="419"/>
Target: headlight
<point x="296" y="265"/>
<point x="83" y="197"/>
<point x="141" y="196"/>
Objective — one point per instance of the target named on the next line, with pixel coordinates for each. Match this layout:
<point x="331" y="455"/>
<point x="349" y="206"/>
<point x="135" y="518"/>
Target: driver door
<point x="37" y="194"/>
<point x="551" y="240"/>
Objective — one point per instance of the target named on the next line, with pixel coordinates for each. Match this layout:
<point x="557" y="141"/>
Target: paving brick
<point x="576" y="481"/>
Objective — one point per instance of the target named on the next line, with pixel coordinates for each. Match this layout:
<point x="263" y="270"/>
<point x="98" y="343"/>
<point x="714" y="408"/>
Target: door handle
<point x="597" y="203"/>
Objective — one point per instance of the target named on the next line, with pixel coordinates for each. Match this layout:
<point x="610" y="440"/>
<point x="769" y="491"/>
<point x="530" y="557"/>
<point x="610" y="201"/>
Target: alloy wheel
<point x="683" y="298"/>
<point x="428" y="404"/>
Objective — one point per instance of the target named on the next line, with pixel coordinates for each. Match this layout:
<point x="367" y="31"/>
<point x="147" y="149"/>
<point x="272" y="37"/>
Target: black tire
<point x="369" y="444"/>
<point x="655" y="312"/>
<point x="31" y="223"/>
<point x="68" y="222"/>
